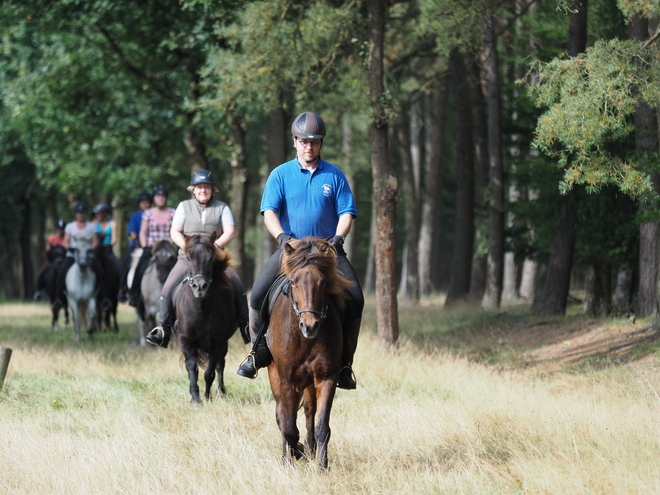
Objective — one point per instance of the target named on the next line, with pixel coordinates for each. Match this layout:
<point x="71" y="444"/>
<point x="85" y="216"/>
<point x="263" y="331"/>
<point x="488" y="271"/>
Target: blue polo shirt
<point x="308" y="203"/>
<point x="134" y="226"/>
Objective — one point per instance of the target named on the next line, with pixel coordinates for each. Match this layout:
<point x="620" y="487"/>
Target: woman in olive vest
<point x="202" y="214"/>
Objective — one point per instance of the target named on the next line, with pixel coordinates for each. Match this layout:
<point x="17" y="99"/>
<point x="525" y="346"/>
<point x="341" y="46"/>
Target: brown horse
<point x="305" y="339"/>
<point x="206" y="315"/>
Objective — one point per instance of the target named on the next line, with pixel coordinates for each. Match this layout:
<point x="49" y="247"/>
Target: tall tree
<point x="464" y="222"/>
<point x="495" y="267"/>
<point x="385" y="183"/>
<point x="554" y="294"/>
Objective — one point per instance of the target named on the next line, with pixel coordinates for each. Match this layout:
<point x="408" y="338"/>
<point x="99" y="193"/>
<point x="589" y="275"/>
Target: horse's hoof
<point x="299" y="451"/>
<point x="196" y="404"/>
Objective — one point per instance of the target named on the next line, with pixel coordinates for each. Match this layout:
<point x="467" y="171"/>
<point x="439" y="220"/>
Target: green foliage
<point x="591" y="100"/>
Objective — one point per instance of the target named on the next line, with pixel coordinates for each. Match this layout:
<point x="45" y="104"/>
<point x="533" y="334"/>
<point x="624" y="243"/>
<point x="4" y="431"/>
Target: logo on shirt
<point x="327" y="189"/>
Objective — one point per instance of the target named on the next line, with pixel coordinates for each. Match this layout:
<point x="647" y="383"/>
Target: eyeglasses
<point x="309" y="142"/>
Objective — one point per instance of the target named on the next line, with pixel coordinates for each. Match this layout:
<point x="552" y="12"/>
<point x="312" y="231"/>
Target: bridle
<point x="321" y="314"/>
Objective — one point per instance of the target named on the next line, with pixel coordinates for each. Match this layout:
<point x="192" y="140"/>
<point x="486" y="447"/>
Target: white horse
<point x="81" y="289"/>
<point x="164" y="255"/>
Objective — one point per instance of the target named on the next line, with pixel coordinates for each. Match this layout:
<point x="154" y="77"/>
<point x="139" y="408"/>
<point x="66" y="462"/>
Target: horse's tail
<point x="201" y="356"/>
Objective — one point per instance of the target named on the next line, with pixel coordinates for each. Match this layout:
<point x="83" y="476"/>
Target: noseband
<point x="190" y="279"/>
<point x="321" y="314"/>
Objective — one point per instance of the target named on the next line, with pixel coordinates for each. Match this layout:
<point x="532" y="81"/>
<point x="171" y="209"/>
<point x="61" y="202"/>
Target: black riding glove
<point x="337" y="241"/>
<point x="283" y="238"/>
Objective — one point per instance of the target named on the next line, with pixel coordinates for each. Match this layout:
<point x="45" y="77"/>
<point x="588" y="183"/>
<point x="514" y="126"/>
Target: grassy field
<point x="464" y="406"/>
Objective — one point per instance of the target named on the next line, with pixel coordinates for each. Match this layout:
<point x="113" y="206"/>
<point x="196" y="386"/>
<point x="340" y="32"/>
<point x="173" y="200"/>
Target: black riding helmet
<point x="144" y="196"/>
<point x="80" y="207"/>
<point x="60" y="224"/>
<point x="160" y="190"/>
<point x="308" y="125"/>
<point x="202" y="177"/>
<point x="102" y="208"/>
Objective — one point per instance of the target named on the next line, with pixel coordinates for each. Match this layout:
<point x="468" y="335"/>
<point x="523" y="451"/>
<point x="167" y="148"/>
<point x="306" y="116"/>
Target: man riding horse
<point x="306" y="196"/>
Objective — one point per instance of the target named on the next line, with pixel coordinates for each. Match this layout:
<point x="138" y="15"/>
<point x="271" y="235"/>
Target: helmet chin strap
<point x="204" y="204"/>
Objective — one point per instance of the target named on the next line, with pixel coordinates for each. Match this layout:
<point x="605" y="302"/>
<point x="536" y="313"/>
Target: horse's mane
<point x="164" y="244"/>
<point x="221" y="258"/>
<point x="317" y="252"/>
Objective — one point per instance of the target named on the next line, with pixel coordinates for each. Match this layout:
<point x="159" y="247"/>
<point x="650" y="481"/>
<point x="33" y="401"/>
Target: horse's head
<point x="206" y="262"/>
<point x="164" y="258"/>
<point x="311" y="267"/>
<point x="83" y="253"/>
<point x="56" y="254"/>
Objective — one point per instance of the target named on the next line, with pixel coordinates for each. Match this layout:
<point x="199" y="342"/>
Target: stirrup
<point x="247" y="366"/>
<point x="156" y="336"/>
<point x="344" y="385"/>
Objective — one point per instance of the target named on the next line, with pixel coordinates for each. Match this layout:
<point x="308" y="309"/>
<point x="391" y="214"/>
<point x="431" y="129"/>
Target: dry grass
<point x="107" y="417"/>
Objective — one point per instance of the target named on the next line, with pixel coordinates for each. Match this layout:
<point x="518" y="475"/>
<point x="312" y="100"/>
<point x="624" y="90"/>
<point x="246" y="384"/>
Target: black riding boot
<point x="346" y="376"/>
<point x="260" y="355"/>
<point x="243" y="317"/>
<point x="161" y="334"/>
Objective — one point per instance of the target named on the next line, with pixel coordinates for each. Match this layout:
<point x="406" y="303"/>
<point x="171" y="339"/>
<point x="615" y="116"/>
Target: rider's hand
<point x="337" y="241"/>
<point x="283" y="238"/>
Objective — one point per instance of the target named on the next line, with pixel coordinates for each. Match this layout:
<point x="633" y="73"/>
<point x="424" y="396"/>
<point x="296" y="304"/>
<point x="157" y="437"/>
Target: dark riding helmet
<point x="80" y="207"/>
<point x="102" y="208"/>
<point x="60" y="224"/>
<point x="202" y="177"/>
<point x="160" y="190"/>
<point x="308" y="125"/>
<point x="144" y="196"/>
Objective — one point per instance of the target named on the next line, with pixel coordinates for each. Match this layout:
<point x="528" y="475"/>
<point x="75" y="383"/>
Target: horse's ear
<point x="288" y="248"/>
<point x="213" y="236"/>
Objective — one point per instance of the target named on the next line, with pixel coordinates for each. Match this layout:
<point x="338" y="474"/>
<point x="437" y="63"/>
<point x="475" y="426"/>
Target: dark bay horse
<point x="305" y="339"/>
<point x="163" y="259"/>
<point x="205" y="312"/>
<point x="109" y="274"/>
<point x="48" y="282"/>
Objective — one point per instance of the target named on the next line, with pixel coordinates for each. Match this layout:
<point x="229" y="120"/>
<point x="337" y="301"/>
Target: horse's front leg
<point x="209" y="375"/>
<point x="325" y="393"/>
<point x="56" y="313"/>
<point x="220" y="369"/>
<point x="286" y="412"/>
<point x="91" y="316"/>
<point x="193" y="374"/>
<point x="309" y="405"/>
<point x="75" y="314"/>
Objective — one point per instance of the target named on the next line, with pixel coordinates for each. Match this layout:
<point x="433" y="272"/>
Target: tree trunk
<point x="27" y="267"/>
<point x="553" y="295"/>
<point x="278" y="141"/>
<point x="431" y="214"/>
<point x="495" y="268"/>
<point x="480" y="131"/>
<point x="409" y="285"/>
<point x="196" y="148"/>
<point x="528" y="280"/>
<point x="599" y="290"/>
<point x="459" y="284"/>
<point x="239" y="186"/>
<point x="646" y="143"/>
<point x="347" y="156"/>
<point x="385" y="184"/>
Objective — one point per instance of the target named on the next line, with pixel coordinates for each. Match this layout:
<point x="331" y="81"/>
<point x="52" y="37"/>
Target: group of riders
<point x="306" y="196"/>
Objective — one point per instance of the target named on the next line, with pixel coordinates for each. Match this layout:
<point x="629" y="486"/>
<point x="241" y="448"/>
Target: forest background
<point x="498" y="149"/>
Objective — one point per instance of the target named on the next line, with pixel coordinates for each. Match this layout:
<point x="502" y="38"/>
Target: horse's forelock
<point x="221" y="257"/>
<point x="312" y="251"/>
